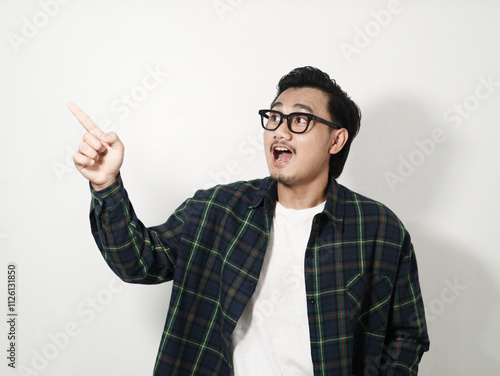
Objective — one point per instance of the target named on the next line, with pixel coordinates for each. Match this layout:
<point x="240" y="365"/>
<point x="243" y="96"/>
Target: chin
<point x="282" y="179"/>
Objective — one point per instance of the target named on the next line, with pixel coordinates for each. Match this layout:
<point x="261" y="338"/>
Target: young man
<point x="293" y="274"/>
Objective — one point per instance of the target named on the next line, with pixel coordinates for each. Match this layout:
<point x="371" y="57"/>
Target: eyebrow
<point x="298" y="106"/>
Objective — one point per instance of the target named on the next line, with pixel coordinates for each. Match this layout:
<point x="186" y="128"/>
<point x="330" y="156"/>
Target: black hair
<point x="341" y="107"/>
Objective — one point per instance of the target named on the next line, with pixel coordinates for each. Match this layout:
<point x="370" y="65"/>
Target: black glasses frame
<point x="310" y="117"/>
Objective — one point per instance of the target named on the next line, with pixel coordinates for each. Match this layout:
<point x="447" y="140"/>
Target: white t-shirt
<point x="272" y="336"/>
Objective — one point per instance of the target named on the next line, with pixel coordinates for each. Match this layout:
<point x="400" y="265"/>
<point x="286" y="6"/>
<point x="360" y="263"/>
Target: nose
<point x="283" y="132"/>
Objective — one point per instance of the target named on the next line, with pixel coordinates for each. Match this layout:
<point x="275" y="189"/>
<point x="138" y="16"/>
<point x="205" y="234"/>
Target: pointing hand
<point x="100" y="155"/>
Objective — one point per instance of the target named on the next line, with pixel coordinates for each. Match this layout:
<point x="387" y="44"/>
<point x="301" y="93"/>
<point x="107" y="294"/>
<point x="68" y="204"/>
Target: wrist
<point x="99" y="187"/>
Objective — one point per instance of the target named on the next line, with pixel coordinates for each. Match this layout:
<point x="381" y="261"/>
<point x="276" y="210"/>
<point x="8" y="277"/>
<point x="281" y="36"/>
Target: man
<point x="293" y="274"/>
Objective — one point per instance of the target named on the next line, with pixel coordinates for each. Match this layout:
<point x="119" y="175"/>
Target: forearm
<point x="407" y="338"/>
<point x="135" y="253"/>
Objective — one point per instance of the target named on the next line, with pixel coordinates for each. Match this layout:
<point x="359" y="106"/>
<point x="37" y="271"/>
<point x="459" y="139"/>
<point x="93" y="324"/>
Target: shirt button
<point x="320" y="218"/>
<point x="311" y="300"/>
<point x="309" y="255"/>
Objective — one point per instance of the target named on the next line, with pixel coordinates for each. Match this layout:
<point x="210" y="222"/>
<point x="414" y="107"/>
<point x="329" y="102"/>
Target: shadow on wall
<point x="400" y="158"/>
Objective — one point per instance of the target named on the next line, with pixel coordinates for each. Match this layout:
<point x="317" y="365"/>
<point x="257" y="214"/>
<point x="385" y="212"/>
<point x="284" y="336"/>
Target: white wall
<point x="417" y="64"/>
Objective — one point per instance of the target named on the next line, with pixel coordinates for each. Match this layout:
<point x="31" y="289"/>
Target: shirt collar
<point x="334" y="206"/>
<point x="266" y="195"/>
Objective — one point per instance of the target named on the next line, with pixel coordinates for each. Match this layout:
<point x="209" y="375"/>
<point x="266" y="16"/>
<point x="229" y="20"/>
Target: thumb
<point x="112" y="140"/>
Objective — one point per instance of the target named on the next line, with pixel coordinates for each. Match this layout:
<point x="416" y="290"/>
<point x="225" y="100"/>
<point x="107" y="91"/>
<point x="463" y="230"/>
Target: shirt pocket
<point x="368" y="299"/>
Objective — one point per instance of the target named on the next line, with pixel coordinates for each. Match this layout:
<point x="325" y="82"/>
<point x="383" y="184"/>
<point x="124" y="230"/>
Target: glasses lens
<point x="299" y="123"/>
<point x="271" y="120"/>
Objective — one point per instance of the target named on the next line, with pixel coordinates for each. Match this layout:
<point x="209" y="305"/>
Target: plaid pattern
<point x="365" y="308"/>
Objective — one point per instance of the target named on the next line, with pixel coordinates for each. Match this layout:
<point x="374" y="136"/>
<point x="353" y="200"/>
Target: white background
<point x="410" y="65"/>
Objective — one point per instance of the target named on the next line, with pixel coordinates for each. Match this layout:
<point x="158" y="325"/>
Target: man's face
<point x="306" y="158"/>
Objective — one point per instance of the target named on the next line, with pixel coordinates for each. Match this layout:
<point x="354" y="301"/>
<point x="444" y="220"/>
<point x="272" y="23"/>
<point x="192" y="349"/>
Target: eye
<point x="300" y="120"/>
<point x="274" y="117"/>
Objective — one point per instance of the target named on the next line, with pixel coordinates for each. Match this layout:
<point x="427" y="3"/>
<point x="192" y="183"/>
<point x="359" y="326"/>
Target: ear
<point x="339" y="138"/>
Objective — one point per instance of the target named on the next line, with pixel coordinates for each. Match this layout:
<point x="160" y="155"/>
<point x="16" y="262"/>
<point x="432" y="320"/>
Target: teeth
<point x="280" y="150"/>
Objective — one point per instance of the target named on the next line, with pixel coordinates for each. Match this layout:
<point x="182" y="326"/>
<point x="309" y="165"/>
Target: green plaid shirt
<point x="364" y="304"/>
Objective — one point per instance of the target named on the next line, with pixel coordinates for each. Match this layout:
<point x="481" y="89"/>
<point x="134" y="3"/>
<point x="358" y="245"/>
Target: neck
<point x="294" y="197"/>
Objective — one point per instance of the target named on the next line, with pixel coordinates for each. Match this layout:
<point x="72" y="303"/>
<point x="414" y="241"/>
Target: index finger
<point x="84" y="119"/>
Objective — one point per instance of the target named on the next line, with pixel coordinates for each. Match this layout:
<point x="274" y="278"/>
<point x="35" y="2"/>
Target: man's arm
<point x="407" y="337"/>
<point x="134" y="252"/>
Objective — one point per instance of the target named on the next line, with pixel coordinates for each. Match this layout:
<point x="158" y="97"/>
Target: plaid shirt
<point x="364" y="304"/>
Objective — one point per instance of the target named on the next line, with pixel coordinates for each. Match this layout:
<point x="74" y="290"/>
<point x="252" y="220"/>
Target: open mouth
<point x="282" y="154"/>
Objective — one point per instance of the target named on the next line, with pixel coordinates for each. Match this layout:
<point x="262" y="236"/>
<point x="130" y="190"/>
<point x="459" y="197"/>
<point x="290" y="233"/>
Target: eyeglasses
<point x="297" y="122"/>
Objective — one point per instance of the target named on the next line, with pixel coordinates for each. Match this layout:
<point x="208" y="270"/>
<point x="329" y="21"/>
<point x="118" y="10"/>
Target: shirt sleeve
<point x="135" y="253"/>
<point x="407" y="338"/>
